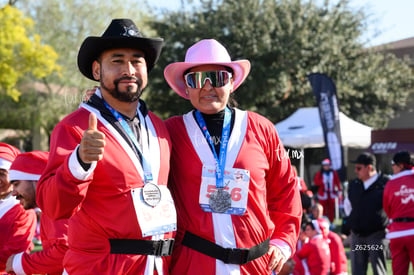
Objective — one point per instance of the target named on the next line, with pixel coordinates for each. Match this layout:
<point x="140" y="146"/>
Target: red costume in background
<point x="316" y="255"/>
<point x="50" y="259"/>
<point x="17" y="228"/>
<point x="399" y="206"/>
<point x="329" y="188"/>
<point x="338" y="256"/>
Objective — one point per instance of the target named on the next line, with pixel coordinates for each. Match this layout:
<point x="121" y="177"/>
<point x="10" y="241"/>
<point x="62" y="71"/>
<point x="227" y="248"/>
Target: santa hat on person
<point x="324" y="225"/>
<point x="28" y="166"/>
<point x="317" y="226"/>
<point x="326" y="162"/>
<point x="7" y="155"/>
<point x="321" y="226"/>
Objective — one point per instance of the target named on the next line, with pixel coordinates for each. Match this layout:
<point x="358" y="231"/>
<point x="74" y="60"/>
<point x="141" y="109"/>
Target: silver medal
<point x="151" y="194"/>
<point x="220" y="201"/>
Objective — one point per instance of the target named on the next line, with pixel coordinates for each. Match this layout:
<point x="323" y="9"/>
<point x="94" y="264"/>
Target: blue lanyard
<point x="220" y="162"/>
<point x="146" y="165"/>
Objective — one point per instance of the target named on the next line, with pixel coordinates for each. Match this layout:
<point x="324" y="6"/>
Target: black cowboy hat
<point x="121" y="33"/>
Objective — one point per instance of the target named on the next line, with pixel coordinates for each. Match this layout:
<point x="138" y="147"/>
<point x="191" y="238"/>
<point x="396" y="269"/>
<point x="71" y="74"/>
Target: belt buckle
<point x="164" y="247"/>
<point x="236" y="255"/>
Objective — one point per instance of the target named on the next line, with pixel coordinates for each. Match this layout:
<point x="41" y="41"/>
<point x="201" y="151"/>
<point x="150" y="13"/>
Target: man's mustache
<point x="129" y="78"/>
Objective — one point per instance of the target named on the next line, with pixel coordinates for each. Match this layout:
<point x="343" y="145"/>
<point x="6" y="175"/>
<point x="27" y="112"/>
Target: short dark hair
<point x="403" y="157"/>
<point x="365" y="159"/>
<point x="310" y="223"/>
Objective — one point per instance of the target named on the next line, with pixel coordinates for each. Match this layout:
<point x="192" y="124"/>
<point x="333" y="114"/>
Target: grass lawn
<point x="37" y="248"/>
<point x="369" y="272"/>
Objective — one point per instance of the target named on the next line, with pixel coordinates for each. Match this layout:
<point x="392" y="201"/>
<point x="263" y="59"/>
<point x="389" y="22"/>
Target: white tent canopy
<point x="303" y="129"/>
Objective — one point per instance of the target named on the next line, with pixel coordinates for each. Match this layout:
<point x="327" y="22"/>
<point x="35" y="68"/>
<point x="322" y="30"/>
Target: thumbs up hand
<point x="93" y="142"/>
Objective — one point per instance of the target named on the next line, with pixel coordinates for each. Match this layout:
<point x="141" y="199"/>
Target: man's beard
<point x="127" y="96"/>
<point x="26" y="203"/>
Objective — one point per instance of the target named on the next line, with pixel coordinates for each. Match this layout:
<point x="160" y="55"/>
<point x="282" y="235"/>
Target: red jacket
<point x="317" y="255"/>
<point x="54" y="243"/>
<point x="338" y="256"/>
<point x="17" y="228"/>
<point x="398" y="202"/>
<point x="101" y="207"/>
<point x="329" y="184"/>
<point x="273" y="202"/>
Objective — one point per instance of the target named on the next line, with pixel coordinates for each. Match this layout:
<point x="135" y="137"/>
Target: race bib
<point x="234" y="193"/>
<point x="158" y="219"/>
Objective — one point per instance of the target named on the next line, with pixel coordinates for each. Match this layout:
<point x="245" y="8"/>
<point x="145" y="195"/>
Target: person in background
<point x="300" y="182"/>
<point x="316" y="211"/>
<point x="238" y="203"/>
<point x="24" y="173"/>
<point x="299" y="266"/>
<point x="314" y="255"/>
<point x="109" y="163"/>
<point x="306" y="195"/>
<point x="399" y="206"/>
<point x="339" y="262"/>
<point x="329" y="188"/>
<point x="17" y="226"/>
<point x="367" y="219"/>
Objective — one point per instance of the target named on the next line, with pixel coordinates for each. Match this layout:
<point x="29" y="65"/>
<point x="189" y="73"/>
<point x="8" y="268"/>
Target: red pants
<point x="328" y="208"/>
<point x="402" y="253"/>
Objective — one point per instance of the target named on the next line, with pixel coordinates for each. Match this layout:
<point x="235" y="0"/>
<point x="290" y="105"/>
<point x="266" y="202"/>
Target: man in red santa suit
<point x="399" y="205"/>
<point x="329" y="188"/>
<point x="237" y="200"/>
<point x="24" y="173"/>
<point x="339" y="262"/>
<point x="109" y="163"/>
<point x="315" y="252"/>
<point x="17" y="226"/>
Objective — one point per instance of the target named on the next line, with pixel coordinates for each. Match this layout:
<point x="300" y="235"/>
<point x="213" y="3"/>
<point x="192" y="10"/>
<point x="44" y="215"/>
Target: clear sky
<point x="394" y="19"/>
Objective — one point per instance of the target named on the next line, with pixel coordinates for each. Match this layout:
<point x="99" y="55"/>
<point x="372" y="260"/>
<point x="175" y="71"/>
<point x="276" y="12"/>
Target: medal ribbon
<point x="220" y="162"/>
<point x="146" y="165"/>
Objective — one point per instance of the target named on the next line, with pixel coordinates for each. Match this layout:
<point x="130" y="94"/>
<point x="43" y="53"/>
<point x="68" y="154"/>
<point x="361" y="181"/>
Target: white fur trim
<point x="223" y="225"/>
<point x="7" y="204"/>
<point x="399" y="234"/>
<point x="283" y="246"/>
<point x="76" y="169"/>
<point x="305" y="266"/>
<point x="19" y="175"/>
<point x="154" y="146"/>
<point x="317" y="227"/>
<point x="17" y="264"/>
<point x="403" y="173"/>
<point x="5" y="164"/>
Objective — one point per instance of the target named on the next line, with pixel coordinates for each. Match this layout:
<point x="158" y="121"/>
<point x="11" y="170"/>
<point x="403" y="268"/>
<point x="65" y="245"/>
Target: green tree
<point x="22" y="52"/>
<point x="285" y="40"/>
<point x="63" y="25"/>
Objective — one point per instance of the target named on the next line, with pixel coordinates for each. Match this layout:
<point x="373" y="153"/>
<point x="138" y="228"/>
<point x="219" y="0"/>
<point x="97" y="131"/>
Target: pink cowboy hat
<point x="207" y="51"/>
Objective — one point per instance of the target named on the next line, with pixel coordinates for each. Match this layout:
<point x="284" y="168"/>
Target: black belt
<point x="403" y="220"/>
<point x="141" y="247"/>
<point x="238" y="256"/>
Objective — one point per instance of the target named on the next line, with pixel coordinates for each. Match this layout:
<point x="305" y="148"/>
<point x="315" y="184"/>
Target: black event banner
<point x="325" y="92"/>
